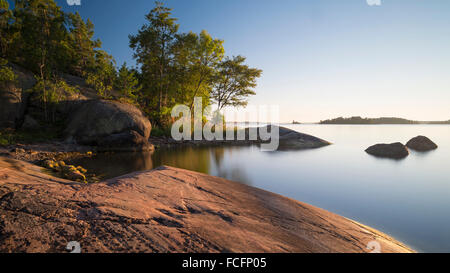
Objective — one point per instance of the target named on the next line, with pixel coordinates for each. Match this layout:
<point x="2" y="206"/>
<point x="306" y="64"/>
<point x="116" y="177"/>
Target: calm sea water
<point x="408" y="199"/>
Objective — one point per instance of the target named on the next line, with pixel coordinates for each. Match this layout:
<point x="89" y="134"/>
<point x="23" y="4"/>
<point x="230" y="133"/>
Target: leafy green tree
<point x="174" y="67"/>
<point x="7" y="75"/>
<point x="234" y="82"/>
<point x="197" y="58"/>
<point x="153" y="51"/>
<point x="51" y="92"/>
<point x="103" y="75"/>
<point x="127" y="84"/>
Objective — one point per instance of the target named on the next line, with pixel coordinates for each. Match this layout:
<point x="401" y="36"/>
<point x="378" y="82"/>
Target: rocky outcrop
<point x="395" y="150"/>
<point x="22" y="109"/>
<point x="71" y="98"/>
<point x="166" y="210"/>
<point x="109" y="124"/>
<point x="30" y="123"/>
<point x="13" y="98"/>
<point x="421" y="144"/>
<point x="126" y="141"/>
<point x="290" y="139"/>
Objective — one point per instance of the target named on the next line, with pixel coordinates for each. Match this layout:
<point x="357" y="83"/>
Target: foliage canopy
<point x="172" y="67"/>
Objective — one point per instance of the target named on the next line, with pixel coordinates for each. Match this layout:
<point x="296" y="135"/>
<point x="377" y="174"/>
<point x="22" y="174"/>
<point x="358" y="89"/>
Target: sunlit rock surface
<point x="166" y="210"/>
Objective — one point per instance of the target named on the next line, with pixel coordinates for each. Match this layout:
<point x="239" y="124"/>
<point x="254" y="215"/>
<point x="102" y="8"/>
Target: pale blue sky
<point x="321" y="58"/>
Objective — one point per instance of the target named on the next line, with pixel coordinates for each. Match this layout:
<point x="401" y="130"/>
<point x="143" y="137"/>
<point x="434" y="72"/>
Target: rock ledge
<point x="166" y="210"/>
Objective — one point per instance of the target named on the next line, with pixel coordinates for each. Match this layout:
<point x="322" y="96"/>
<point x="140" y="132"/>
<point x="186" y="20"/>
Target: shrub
<point x="50" y="93"/>
<point x="7" y="75"/>
<point x="11" y="137"/>
<point x="161" y="132"/>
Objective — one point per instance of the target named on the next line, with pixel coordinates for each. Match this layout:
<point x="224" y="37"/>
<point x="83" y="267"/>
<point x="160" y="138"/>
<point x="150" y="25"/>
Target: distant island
<point x="383" y="120"/>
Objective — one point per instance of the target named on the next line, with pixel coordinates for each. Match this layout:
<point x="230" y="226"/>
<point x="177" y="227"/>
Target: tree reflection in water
<point x="209" y="160"/>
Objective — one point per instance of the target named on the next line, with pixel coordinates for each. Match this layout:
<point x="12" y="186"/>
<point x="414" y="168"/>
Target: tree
<point x="52" y="92"/>
<point x="6" y="16"/>
<point x="41" y="24"/>
<point x="82" y="45"/>
<point x="234" y="83"/>
<point x="127" y="83"/>
<point x="174" y="67"/>
<point x="103" y="74"/>
<point x="7" y="75"/>
<point x="198" y="56"/>
<point x="153" y="46"/>
<point x="40" y="37"/>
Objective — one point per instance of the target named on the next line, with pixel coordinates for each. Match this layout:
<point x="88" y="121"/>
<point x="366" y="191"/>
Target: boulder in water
<point x="395" y="150"/>
<point x="104" y="123"/>
<point x="422" y="144"/>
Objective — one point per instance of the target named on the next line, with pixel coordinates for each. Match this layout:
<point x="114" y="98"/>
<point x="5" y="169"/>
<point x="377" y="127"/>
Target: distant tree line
<point x="173" y="67"/>
<point x="385" y="120"/>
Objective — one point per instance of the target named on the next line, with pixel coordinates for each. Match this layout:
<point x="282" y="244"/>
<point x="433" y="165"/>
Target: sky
<point x="321" y="59"/>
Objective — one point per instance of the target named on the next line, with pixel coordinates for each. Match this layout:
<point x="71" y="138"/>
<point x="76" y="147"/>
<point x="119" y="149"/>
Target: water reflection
<point x="198" y="160"/>
<point x="408" y="199"/>
<point x="108" y="165"/>
<point x="422" y="154"/>
<point x="208" y="160"/>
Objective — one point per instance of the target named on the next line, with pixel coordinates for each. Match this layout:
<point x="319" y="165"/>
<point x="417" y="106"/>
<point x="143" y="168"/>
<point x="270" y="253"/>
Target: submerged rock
<point x="50" y="164"/>
<point x="73" y="173"/>
<point x="67" y="171"/>
<point x="107" y="124"/>
<point x="422" y="144"/>
<point x="395" y="150"/>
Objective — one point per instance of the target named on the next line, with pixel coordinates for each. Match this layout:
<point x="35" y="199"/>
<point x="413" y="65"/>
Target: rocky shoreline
<point x="166" y="210"/>
<point x="288" y="140"/>
<point x="35" y="153"/>
<point x="83" y="122"/>
<point x="57" y="152"/>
